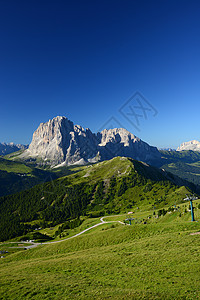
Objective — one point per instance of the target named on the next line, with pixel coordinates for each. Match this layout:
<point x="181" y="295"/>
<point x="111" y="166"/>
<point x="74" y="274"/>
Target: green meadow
<point x="156" y="257"/>
<point x="157" y="260"/>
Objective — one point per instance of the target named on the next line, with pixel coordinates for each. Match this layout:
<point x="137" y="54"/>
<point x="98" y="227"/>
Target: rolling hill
<point x="108" y="187"/>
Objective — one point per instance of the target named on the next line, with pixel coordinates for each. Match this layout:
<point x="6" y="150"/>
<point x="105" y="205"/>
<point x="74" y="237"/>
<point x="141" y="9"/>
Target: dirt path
<point x="102" y="222"/>
<point x="60" y="241"/>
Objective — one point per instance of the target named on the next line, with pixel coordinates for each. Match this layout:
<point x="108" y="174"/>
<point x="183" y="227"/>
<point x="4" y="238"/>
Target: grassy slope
<point x="142" y="194"/>
<point x="159" y="260"/>
<point x="136" y="185"/>
<point x="188" y="171"/>
<point x="15" y="167"/>
<point x="185" y="164"/>
<point x="16" y="176"/>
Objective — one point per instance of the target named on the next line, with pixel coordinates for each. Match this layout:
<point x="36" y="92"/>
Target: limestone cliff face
<point x="192" y="145"/>
<point x="59" y="141"/>
<point x="120" y="142"/>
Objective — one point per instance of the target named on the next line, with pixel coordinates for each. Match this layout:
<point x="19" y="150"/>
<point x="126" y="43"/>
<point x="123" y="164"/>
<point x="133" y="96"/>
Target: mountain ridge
<point x="112" y="186"/>
<point x="7" y="148"/>
<point x="193" y="145"/>
<point x="59" y="141"/>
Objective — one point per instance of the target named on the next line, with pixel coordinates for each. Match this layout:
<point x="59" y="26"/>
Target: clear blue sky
<point x="85" y="59"/>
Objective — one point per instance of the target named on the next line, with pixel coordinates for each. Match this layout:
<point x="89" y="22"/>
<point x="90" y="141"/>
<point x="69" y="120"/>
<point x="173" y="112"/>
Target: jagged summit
<point x="191" y="145"/>
<point x="59" y="141"/>
<point x="110" y="135"/>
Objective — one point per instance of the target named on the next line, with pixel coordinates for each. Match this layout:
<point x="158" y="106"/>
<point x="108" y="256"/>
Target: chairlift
<point x="191" y="198"/>
<point x="130" y="219"/>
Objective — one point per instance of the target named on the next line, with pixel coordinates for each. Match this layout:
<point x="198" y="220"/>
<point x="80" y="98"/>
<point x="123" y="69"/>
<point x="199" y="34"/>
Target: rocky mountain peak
<point x="117" y="135"/>
<point x="59" y="141"/>
<point x="193" y="145"/>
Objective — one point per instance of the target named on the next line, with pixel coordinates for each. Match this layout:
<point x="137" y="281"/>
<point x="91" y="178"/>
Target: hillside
<point x="113" y="186"/>
<point x="185" y="164"/>
<point x="155" y="260"/>
<point x="16" y="176"/>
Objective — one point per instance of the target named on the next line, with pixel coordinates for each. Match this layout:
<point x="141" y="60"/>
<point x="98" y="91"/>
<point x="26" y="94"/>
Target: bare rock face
<point x="120" y="142"/>
<point x="192" y="145"/>
<point x="59" y="141"/>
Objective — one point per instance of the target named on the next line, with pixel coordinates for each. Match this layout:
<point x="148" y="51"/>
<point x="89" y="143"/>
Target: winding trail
<point x="87" y="229"/>
<point x="71" y="237"/>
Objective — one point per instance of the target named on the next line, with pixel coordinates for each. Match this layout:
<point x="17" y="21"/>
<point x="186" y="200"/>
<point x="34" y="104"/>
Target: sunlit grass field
<point x="10" y="166"/>
<point x="157" y="260"/>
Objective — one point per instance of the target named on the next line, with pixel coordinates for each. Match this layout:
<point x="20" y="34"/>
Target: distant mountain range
<point x="60" y="142"/>
<point x="167" y="149"/>
<point x="191" y="145"/>
<point x="11" y="147"/>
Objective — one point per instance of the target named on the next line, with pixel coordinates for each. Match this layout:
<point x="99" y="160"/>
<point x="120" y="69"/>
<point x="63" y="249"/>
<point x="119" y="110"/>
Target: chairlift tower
<point x="129" y="219"/>
<point x="191" y="198"/>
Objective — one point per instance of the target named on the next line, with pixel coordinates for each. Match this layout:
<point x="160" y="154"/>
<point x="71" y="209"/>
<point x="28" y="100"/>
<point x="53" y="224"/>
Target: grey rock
<point x="191" y="145"/>
<point x="60" y="142"/>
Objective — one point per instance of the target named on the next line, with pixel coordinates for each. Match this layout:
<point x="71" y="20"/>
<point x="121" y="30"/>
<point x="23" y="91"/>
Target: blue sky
<point x="86" y="59"/>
